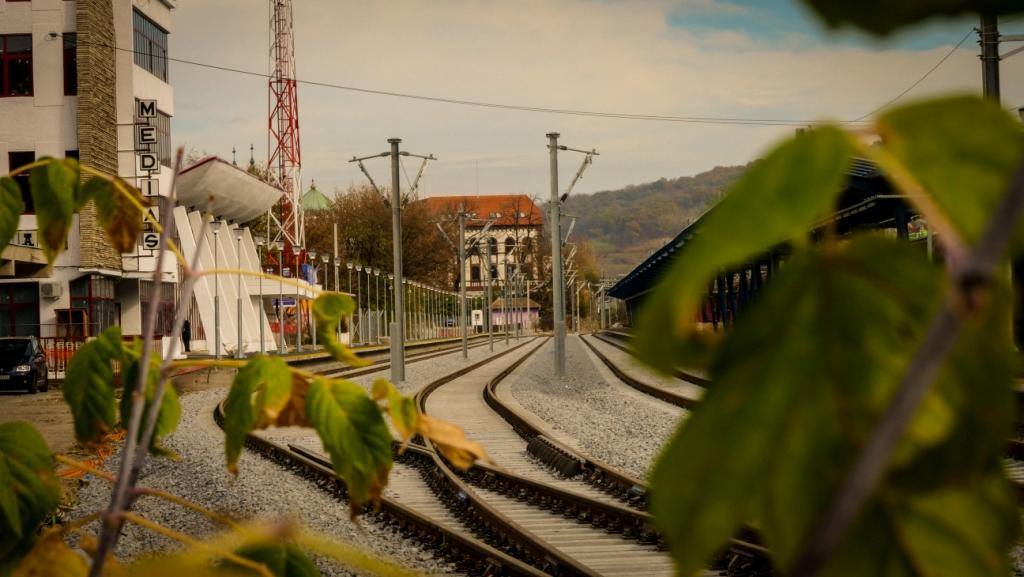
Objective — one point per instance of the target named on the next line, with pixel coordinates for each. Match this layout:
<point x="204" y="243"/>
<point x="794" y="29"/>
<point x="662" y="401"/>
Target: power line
<point x="712" y="120"/>
<point x="919" y="80"/>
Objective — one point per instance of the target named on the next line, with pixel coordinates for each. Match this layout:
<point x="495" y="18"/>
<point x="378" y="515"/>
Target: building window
<point x="474" y="273"/>
<point x="16" y="65"/>
<point x="17" y="160"/>
<point x="492" y="247"/>
<point x="19" y="310"/>
<point x="70" y="64"/>
<point x="95" y="295"/>
<point x="150" y="46"/>
<point x="163" y="132"/>
<point x="510" y="243"/>
<point x="165" y="306"/>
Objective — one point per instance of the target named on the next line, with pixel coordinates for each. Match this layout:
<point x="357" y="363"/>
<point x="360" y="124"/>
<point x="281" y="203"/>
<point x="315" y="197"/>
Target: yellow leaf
<point x="51" y="557"/>
<point x="451" y="441"/>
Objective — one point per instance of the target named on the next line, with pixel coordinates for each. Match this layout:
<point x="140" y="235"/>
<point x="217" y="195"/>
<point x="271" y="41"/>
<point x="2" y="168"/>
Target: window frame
<point x="5" y="63"/>
<point x="147" y="35"/>
<point x="70" y="63"/>
<point x="22" y="179"/>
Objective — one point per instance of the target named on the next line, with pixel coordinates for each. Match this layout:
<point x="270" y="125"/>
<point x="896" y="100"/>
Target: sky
<point x="764" y="59"/>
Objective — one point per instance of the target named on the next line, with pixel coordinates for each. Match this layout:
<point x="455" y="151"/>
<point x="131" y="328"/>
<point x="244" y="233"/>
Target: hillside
<point x="626" y="225"/>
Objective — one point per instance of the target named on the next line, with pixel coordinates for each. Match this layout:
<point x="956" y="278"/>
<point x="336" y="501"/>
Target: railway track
<point x="686" y="398"/>
<point x="1014" y="450"/>
<point x="617" y="338"/>
<point x="517" y="519"/>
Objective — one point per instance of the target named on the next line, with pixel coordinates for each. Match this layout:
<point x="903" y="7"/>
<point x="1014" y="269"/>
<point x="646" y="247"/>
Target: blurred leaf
<point x="93" y="188"/>
<point x="51" y="557"/>
<point x="121" y="218"/>
<point x="89" y="386"/>
<point x="329" y="309"/>
<point x="53" y="194"/>
<point x="960" y="531"/>
<point x="773" y="203"/>
<point x="775" y="386"/>
<point x="11" y="207"/>
<point x="881" y="17"/>
<point x="963" y="150"/>
<point x="402" y="409"/>
<point x="353" y="431"/>
<point x="282" y="559"/>
<point x="170" y="407"/>
<point x="451" y="440"/>
<point x="29" y="481"/>
<point x="259" y="392"/>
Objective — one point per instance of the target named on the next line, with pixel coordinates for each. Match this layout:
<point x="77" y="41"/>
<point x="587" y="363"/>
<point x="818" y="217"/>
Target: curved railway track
<point x="518" y="519"/>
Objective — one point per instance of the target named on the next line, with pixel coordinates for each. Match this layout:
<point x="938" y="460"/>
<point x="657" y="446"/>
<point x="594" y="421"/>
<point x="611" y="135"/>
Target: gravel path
<point x="262" y="489"/>
<point x="607" y="419"/>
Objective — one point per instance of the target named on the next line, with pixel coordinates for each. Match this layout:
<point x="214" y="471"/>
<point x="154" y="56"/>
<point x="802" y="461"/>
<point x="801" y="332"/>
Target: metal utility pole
<point x="216" y="292"/>
<point x="989" y="32"/>
<point x="397" y="330"/>
<point x="462" y="281"/>
<point x="557" y="272"/>
<point x="558" y="306"/>
<point x="490" y="281"/>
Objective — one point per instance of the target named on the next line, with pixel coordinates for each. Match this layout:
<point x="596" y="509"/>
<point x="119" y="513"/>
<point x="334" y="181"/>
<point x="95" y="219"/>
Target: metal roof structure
<point x="867" y="200"/>
<point x="215" y="185"/>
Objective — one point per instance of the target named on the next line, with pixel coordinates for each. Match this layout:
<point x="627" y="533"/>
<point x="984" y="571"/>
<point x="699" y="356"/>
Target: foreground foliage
<point x="265" y="392"/>
<point x="811" y="367"/>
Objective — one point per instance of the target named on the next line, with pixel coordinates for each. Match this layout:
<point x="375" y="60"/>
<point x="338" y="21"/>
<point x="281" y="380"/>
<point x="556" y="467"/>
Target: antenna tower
<point x="284" y="161"/>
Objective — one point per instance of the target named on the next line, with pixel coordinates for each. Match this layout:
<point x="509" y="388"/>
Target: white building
<point x="70" y="75"/>
<point x="512" y="242"/>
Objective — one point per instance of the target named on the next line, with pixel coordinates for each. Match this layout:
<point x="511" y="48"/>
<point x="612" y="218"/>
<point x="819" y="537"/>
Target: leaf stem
<point x="181" y="501"/>
<point x="260" y="274"/>
<point x="967" y="276"/>
<point x="75" y="464"/>
<point x="182" y="538"/>
<point x="29" y="167"/>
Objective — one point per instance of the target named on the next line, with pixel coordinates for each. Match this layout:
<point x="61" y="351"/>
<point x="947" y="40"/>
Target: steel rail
<point x="678" y="373"/>
<point x="655" y="391"/>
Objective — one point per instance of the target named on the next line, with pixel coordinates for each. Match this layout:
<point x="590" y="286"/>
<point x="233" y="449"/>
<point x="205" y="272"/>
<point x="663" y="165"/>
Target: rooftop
<point x="504" y="209"/>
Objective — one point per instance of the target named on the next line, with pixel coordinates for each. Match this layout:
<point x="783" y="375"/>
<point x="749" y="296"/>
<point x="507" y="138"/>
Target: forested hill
<point x="626" y="225"/>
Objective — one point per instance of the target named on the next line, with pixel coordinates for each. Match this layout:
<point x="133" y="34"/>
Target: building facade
<point x="71" y="73"/>
<point x="511" y="245"/>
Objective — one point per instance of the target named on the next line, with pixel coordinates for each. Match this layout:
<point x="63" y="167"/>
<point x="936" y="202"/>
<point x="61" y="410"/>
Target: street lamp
<point x="297" y="251"/>
<point x="260" y="241"/>
<point x="279" y="245"/>
<point x="391" y="291"/>
<point x="239" y="234"/>
<point x="216" y="290"/>
<point x="376" y="301"/>
<point x="359" y="295"/>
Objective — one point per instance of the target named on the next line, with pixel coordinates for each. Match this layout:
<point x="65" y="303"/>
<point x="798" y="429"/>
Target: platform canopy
<point x="221" y="188"/>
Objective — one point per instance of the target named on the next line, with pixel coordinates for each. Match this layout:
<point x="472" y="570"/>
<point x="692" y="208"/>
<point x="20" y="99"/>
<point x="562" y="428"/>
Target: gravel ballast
<point x="262" y="490"/>
<point x="607" y="419"/>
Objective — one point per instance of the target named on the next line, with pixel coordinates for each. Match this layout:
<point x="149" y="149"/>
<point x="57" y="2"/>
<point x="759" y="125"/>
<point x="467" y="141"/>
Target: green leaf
<point x="962" y="530"/>
<point x="881" y="17"/>
<point x="89" y="385"/>
<point x="29" y="481"/>
<point x="282" y="559"/>
<point x="53" y="194"/>
<point x="11" y="207"/>
<point x="170" y="407"/>
<point x="121" y="218"/>
<point x="402" y="408"/>
<point x="963" y="151"/>
<point x="773" y="203"/>
<point x="259" y="392"/>
<point x="353" y="431"/>
<point x="329" y="309"/>
<point x="776" y="386"/>
<point x="93" y="188"/>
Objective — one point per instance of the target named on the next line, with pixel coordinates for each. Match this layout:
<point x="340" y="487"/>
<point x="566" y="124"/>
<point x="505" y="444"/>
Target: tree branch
<point x="967" y="276"/>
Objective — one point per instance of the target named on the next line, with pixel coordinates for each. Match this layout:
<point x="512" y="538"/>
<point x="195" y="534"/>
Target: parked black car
<point x="23" y="364"/>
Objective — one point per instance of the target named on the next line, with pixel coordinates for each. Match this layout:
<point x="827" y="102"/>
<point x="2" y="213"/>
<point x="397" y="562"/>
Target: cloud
<point x="621" y="56"/>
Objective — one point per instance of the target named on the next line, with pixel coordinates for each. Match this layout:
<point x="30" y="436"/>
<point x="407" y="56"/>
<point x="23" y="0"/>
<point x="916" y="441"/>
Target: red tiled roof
<point x="486" y="207"/>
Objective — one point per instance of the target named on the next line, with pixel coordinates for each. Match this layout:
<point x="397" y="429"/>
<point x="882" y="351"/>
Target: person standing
<point x="186" y="335"/>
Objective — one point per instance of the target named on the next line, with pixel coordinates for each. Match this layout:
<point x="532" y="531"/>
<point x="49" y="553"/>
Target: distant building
<point x="513" y="241"/>
<point x="66" y="91"/>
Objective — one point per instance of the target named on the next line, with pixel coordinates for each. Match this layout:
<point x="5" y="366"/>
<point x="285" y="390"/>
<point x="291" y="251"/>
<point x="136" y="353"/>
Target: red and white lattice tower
<point x="285" y="159"/>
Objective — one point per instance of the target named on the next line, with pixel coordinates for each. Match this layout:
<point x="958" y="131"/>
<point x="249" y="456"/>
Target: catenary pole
<point x="989" y="41"/>
<point x="557" y="285"/>
<point x="462" y="280"/>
